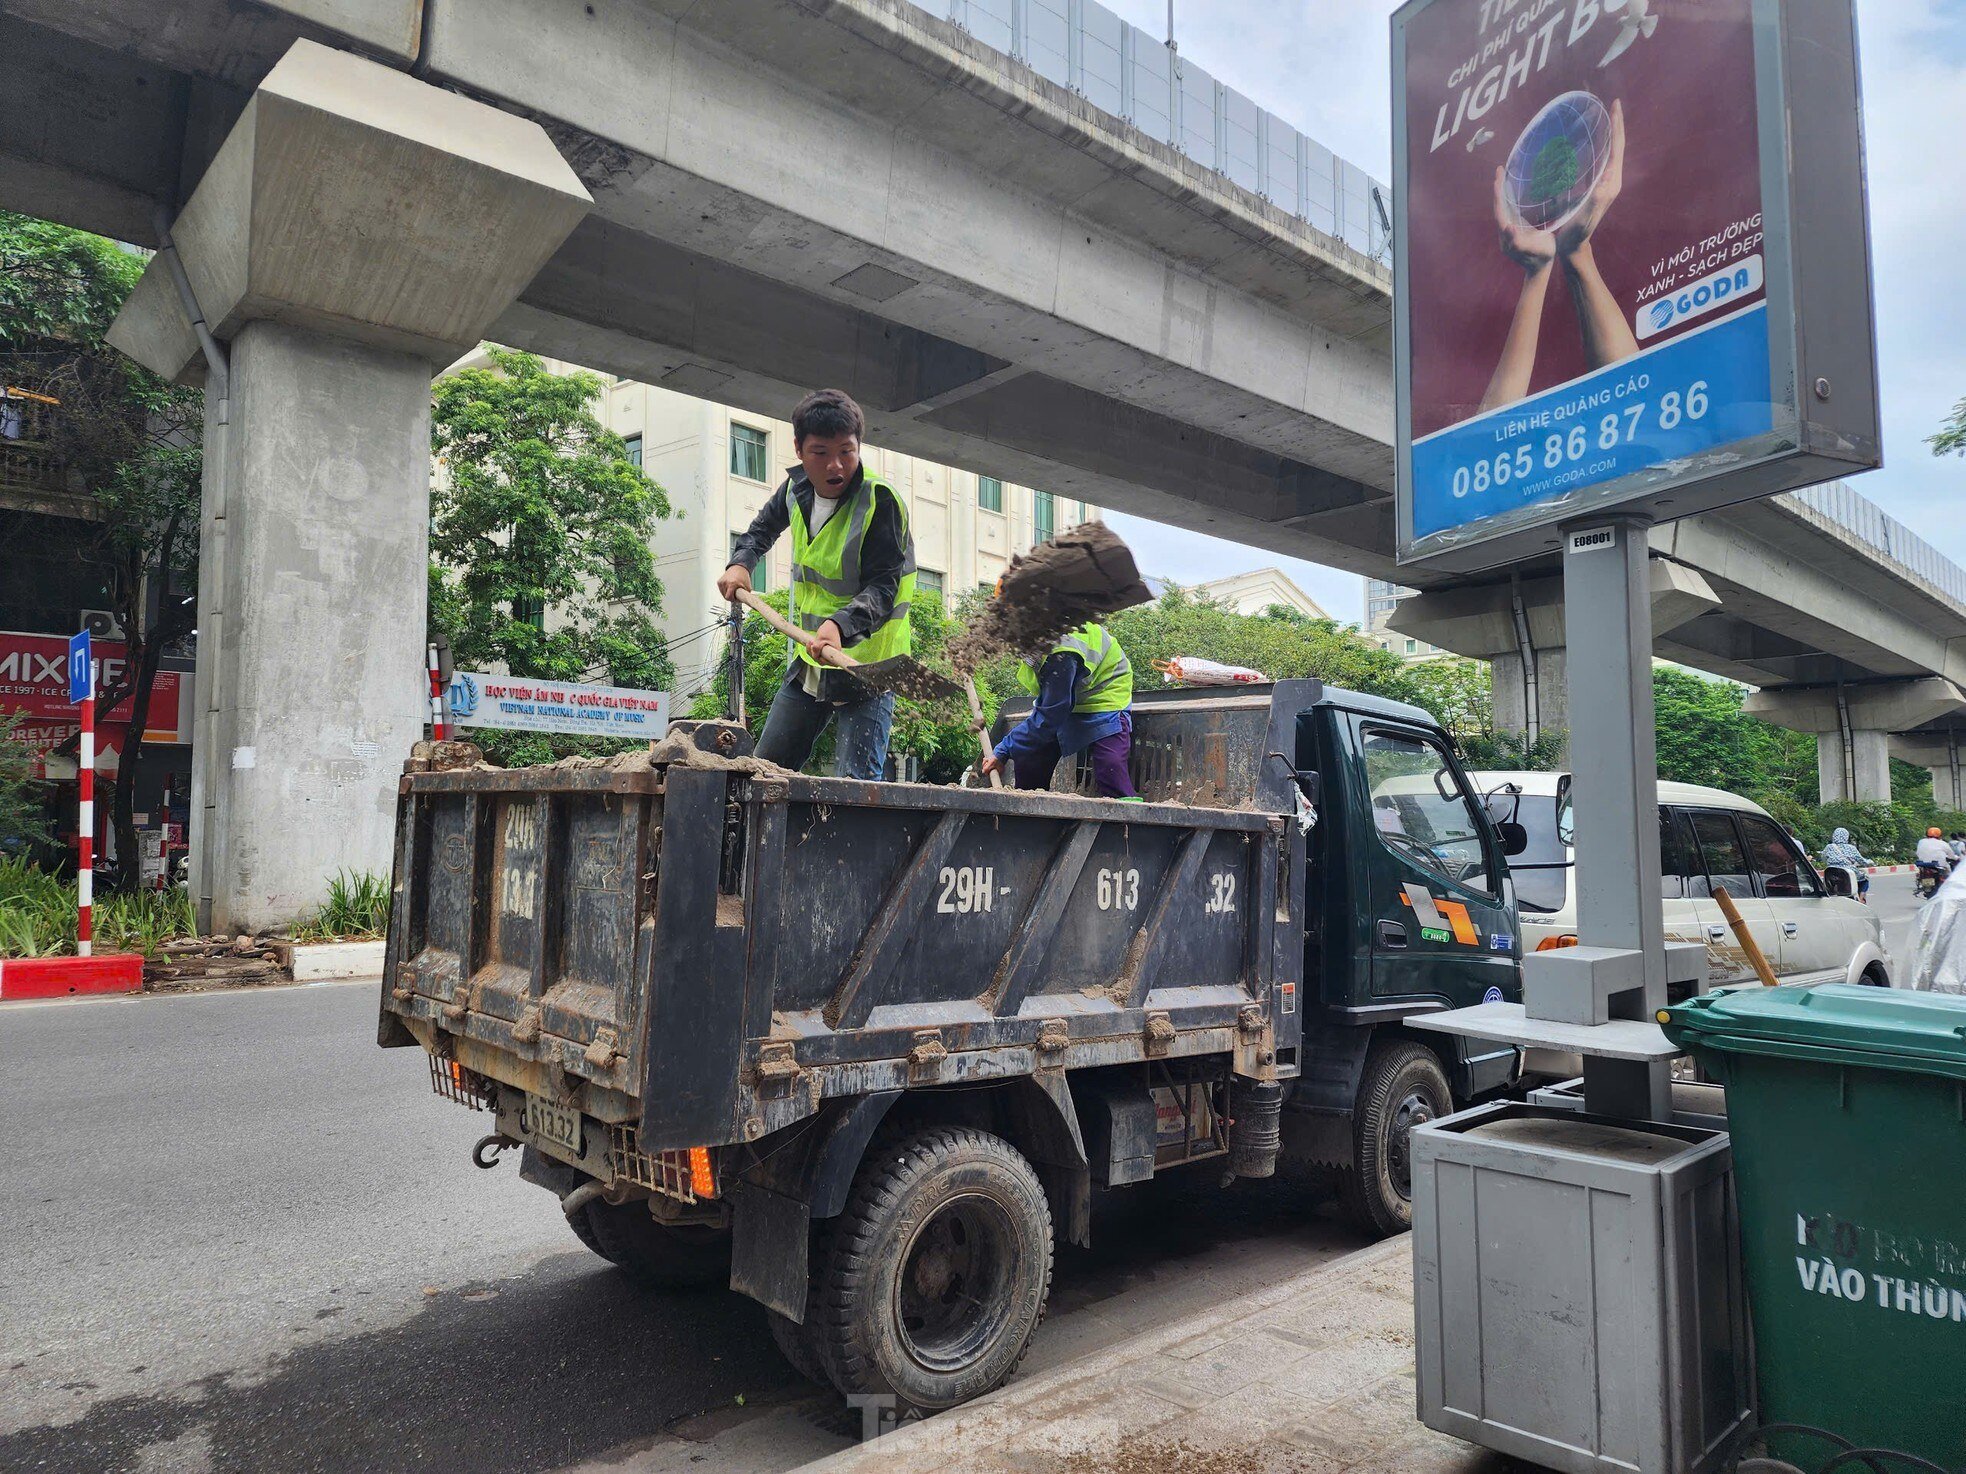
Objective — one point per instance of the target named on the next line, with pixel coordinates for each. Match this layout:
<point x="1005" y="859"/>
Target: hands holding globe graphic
<point x="1547" y="209"/>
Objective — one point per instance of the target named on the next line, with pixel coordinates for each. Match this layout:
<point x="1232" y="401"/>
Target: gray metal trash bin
<point x="1577" y="1289"/>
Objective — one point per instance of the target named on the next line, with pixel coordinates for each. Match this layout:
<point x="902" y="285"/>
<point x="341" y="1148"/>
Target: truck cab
<point x="1409" y="908"/>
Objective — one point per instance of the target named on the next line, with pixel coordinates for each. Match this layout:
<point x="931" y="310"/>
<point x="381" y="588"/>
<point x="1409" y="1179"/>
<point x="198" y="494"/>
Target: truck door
<point x="1432" y="875"/>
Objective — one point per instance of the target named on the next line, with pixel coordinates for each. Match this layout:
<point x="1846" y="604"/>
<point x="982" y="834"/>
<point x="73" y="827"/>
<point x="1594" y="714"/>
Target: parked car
<point x="1810" y="930"/>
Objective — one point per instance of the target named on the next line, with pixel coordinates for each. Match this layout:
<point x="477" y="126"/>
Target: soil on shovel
<point x="1080" y="575"/>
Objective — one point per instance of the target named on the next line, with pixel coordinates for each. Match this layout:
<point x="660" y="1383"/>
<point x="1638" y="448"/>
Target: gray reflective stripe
<point x="810" y="621"/>
<point x="1124" y="668"/>
<point x="839" y="588"/>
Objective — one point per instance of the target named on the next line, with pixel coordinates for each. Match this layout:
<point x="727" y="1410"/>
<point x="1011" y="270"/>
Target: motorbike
<point x="1929" y="879"/>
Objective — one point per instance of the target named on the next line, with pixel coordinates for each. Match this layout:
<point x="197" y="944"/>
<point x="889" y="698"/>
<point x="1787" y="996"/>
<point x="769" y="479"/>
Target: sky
<point x="1323" y="65"/>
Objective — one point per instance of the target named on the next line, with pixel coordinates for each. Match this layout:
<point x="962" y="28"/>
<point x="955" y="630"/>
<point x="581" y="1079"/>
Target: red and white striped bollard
<point x="85" y="838"/>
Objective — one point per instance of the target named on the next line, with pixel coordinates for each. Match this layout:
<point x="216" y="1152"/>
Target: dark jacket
<point x="885" y="556"/>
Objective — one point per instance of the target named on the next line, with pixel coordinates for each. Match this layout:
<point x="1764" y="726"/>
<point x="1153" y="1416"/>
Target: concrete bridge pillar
<point x="1853" y="727"/>
<point x="1518" y="628"/>
<point x="1944" y="753"/>
<point x="356" y="230"/>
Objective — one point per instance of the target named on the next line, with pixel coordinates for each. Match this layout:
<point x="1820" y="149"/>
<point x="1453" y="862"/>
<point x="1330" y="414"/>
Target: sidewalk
<point x="1308" y="1376"/>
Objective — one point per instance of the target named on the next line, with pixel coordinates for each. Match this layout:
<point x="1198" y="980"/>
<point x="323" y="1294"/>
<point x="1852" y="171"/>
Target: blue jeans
<point x="796" y="720"/>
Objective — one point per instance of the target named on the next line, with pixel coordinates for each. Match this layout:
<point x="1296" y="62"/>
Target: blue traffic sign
<point x="80" y="667"/>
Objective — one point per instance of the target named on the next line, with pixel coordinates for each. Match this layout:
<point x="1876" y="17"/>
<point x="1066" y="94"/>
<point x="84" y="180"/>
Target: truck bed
<point x="700" y="953"/>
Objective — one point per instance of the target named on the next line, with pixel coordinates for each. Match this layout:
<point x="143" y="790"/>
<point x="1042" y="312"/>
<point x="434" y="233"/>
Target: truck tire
<point x="584" y="1231"/>
<point x="1403" y="1086"/>
<point x="655" y="1255"/>
<point x="938" y="1273"/>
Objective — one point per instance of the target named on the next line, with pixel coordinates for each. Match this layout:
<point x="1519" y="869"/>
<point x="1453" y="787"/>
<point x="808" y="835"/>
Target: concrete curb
<point x="1024" y="1401"/>
<point x="70" y="977"/>
<point x="318" y="961"/>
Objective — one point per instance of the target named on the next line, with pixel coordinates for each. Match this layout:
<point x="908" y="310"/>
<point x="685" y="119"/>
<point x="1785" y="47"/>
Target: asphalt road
<point x="238" y="1236"/>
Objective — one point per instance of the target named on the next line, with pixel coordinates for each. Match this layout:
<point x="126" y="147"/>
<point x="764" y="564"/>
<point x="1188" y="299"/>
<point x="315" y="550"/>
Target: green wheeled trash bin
<point x="1847" y="1107"/>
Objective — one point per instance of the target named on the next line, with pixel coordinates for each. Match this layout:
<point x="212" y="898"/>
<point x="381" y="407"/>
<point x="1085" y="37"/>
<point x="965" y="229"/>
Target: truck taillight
<point x="702" y="1181"/>
<point x="1552" y="944"/>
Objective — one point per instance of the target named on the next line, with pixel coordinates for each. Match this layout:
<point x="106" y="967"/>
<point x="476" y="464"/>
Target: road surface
<point x="239" y="1236"/>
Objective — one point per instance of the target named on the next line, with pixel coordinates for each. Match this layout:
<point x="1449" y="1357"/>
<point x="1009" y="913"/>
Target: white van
<point x="1707" y="838"/>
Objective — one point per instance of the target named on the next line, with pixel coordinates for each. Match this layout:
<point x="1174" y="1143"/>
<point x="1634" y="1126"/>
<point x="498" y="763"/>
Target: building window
<point x="989" y="493"/>
<point x="928" y="581"/>
<point x="526" y="610"/>
<point x="634" y="445"/>
<point x="1044" y="516"/>
<point x="750" y="453"/>
<point x="761" y="575"/>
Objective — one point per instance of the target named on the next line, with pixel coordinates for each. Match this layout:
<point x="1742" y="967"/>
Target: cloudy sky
<point x="1322" y="65"/>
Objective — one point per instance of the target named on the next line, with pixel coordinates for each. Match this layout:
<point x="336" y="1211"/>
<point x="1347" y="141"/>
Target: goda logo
<point x="1662" y="314"/>
<point x="464" y="696"/>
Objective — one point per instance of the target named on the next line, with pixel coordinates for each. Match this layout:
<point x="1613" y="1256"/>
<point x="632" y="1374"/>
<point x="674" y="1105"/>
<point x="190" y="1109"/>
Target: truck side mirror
<point x="1515" y="838"/>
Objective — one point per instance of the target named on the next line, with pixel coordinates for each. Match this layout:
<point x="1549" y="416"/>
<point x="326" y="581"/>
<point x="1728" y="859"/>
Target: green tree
<point x="1951" y="439"/>
<point x="1460" y="694"/>
<point x="116" y="433"/>
<point x="539" y="539"/>
<point x="1283" y="644"/>
<point x="1705" y="737"/>
<point x="23" y="821"/>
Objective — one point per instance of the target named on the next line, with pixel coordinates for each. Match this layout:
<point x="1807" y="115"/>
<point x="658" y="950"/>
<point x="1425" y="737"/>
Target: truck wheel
<point x="939" y="1271"/>
<point x="655" y="1255"/>
<point x="1403" y="1087"/>
<point x="584" y="1231"/>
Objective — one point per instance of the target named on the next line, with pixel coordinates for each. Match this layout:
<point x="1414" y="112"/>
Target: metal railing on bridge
<point x="1122" y="70"/>
<point x="1840" y="508"/>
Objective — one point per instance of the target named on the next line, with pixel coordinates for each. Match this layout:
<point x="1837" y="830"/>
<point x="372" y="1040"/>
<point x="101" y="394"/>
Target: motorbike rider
<point x="1839" y="851"/>
<point x="1934" y="856"/>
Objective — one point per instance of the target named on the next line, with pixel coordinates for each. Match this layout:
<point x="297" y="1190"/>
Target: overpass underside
<point x="851" y="193"/>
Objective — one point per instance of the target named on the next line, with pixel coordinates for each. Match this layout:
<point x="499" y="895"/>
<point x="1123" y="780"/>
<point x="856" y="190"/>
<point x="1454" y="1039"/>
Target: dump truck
<point x="865" y="1051"/>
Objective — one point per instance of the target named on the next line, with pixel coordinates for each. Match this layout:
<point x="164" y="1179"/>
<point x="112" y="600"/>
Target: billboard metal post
<point x="1614" y="755"/>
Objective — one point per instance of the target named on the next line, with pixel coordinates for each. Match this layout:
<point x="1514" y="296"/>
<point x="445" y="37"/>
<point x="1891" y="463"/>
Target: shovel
<point x="902" y="674"/>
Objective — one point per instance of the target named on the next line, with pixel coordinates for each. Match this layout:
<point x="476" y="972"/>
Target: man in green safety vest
<point x="853" y="579"/>
<point x="1084" y="690"/>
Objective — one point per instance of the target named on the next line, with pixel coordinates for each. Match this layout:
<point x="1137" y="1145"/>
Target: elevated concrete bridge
<point x="1184" y="316"/>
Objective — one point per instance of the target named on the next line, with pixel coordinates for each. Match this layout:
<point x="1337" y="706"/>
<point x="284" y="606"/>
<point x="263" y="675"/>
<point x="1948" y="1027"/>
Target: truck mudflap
<point x="707" y="953"/>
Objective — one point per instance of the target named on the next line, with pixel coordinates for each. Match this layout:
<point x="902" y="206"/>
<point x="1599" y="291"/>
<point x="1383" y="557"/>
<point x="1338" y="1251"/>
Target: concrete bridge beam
<point x="1519" y="629"/>
<point x="356" y="230"/>
<point x="1853" y="727"/>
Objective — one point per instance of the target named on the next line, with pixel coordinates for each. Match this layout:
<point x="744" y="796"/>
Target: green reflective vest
<point x="826" y="573"/>
<point x="1108" y="684"/>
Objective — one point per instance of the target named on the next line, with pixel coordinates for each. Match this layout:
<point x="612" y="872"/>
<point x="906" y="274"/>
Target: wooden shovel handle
<point x="785" y="627"/>
<point x="1749" y="945"/>
<point x="982" y="726"/>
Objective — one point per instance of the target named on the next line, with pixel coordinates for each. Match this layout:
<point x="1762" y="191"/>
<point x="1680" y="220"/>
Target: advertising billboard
<point x="1609" y="232"/>
<point x="526" y="704"/>
<point x="34" y="683"/>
